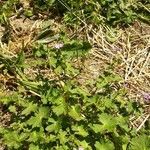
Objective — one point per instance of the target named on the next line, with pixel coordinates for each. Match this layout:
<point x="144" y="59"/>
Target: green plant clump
<point x="111" y="12"/>
<point x="60" y="113"/>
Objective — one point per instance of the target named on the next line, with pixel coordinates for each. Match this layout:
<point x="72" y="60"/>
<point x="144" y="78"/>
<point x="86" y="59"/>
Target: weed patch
<point x="70" y="87"/>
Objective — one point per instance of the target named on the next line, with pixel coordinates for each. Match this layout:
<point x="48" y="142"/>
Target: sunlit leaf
<point x="79" y="130"/>
<point x="34" y="121"/>
<point x="75" y="113"/>
<point x="29" y="108"/>
<point x="104" y="145"/>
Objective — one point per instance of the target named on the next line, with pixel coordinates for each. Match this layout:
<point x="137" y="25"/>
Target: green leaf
<point x="23" y="136"/>
<point x="108" y="121"/>
<point x="59" y="70"/>
<point x="75" y="113"/>
<point x="60" y="107"/>
<point x="34" y="136"/>
<point x="28" y="13"/>
<point x="43" y="112"/>
<point x="104" y="145"/>
<point x="63" y="137"/>
<point x="29" y="108"/>
<point x="20" y="59"/>
<point x="141" y="142"/>
<point x="123" y="122"/>
<point x="59" y="110"/>
<point x="84" y="145"/>
<point x="97" y="128"/>
<point x="101" y="83"/>
<point x="54" y="126"/>
<point x="79" y="130"/>
<point x="48" y="39"/>
<point x="44" y="34"/>
<point x="34" y="121"/>
<point x="75" y="48"/>
<point x="70" y="70"/>
<point x="80" y="91"/>
<point x="12" y="109"/>
<point x="52" y="62"/>
<point x="33" y="147"/>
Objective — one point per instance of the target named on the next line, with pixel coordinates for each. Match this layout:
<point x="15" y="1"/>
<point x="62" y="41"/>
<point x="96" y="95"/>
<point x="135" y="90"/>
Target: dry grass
<point x="130" y="51"/>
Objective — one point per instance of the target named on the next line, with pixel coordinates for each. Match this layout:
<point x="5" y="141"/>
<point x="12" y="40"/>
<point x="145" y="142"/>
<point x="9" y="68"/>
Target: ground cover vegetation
<point x="71" y="77"/>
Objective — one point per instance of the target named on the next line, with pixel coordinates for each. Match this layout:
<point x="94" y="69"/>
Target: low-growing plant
<point x="107" y="11"/>
<point x="60" y="113"/>
<point x="94" y="12"/>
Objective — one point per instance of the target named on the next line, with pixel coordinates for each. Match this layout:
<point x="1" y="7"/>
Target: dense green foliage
<point x="60" y="113"/>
